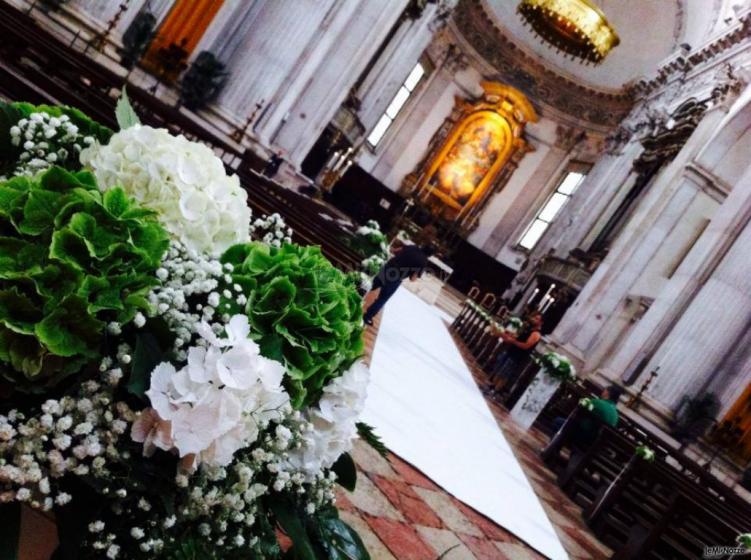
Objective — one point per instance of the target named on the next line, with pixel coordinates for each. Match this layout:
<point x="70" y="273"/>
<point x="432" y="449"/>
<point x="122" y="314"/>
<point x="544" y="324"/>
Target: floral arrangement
<point x="645" y="453"/>
<point x="34" y="138"/>
<point x="369" y="240"/>
<point x="556" y="366"/>
<point x="183" y="181"/>
<point x="514" y="324"/>
<point x="272" y="230"/>
<point x="368" y="269"/>
<point x="587" y="404"/>
<point x="176" y="391"/>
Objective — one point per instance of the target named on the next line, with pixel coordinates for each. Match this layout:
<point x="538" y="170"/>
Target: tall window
<point x="552" y="207"/>
<point x="396" y="104"/>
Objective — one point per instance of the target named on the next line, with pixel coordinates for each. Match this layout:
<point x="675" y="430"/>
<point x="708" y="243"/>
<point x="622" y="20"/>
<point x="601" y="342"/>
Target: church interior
<point x="558" y="375"/>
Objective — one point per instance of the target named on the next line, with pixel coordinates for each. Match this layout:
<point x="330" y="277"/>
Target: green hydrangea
<point x="302" y="310"/>
<point x="71" y="260"/>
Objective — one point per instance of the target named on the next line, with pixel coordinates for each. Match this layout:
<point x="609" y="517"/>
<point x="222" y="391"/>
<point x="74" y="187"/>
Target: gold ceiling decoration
<point x="576" y="27"/>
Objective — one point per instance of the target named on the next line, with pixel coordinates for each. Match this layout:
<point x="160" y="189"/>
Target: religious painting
<point x="483" y="143"/>
<point x="471" y="158"/>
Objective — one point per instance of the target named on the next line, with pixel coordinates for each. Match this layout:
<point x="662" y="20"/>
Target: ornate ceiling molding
<point x="678" y="72"/>
<point x="524" y="72"/>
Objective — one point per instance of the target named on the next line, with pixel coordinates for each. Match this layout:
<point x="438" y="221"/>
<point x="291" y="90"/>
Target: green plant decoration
<point x="302" y="310"/>
<point x="72" y="260"/>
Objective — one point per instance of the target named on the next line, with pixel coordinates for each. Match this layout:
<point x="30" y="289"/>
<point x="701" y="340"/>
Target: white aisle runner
<point x="427" y="408"/>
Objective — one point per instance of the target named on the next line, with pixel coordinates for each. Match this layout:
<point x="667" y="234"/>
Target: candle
<point x="534" y="294"/>
<point x="550" y="289"/>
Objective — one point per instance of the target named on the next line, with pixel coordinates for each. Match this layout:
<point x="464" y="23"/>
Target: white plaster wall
<point x="394" y="65"/>
<point x="586" y="320"/>
<point x="405" y="143"/>
<point x="540" y="136"/>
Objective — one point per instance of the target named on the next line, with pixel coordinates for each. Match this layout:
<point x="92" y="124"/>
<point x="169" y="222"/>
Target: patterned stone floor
<point x="402" y="515"/>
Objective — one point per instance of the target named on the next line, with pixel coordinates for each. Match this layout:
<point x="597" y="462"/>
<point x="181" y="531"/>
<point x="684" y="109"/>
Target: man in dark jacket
<point x="409" y="262"/>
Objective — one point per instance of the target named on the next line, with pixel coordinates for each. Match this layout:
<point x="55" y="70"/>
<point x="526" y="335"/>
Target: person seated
<point x="604" y="412"/>
<point x="517" y="353"/>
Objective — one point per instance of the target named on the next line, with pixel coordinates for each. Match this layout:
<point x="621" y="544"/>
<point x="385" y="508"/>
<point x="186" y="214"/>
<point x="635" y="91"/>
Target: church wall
<point x="510" y="204"/>
<point x="584" y="326"/>
<point x="311" y="105"/>
<point x="672" y="292"/>
<point x="405" y="144"/>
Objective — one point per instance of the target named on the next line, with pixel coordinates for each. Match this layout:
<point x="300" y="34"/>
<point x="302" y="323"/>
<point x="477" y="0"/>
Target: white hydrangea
<point x="216" y="404"/>
<point x="332" y="428"/>
<point x="184" y="181"/>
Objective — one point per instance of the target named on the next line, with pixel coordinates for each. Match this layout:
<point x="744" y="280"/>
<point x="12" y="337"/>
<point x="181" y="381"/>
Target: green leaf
<point x="116" y="202"/>
<point x="124" y="113"/>
<point x="146" y="357"/>
<point x="367" y="433"/>
<point x="22" y="352"/>
<point x="69" y="329"/>
<point x="293" y="526"/>
<point x="39" y="211"/>
<point x="10" y="530"/>
<point x="339" y="540"/>
<point x="18" y="312"/>
<point x="346" y="472"/>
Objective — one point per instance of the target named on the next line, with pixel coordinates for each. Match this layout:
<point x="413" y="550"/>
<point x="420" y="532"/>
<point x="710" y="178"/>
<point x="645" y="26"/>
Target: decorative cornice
<point x="684" y="63"/>
<point x="541" y="84"/>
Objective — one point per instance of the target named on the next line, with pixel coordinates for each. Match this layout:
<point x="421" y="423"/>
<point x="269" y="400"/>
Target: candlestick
<point x="534" y="294"/>
<point x="550" y="289"/>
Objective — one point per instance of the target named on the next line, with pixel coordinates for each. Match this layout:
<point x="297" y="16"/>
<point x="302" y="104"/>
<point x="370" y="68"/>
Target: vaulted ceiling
<point x="650" y="31"/>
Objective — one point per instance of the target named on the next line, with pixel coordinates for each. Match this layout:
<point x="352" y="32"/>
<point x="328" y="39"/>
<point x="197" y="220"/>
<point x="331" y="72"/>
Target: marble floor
<point x="403" y="514"/>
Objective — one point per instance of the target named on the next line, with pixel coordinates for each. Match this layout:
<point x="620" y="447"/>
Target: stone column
<point x="586" y="321"/>
<point x="269" y="49"/>
<point x="310" y="101"/>
<point x="720" y="314"/>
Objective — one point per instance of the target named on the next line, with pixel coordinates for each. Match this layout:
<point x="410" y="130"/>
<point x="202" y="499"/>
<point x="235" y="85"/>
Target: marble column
<point x="267" y="50"/>
<point x="584" y="324"/>
<point x="713" y="324"/>
<point x="309" y="102"/>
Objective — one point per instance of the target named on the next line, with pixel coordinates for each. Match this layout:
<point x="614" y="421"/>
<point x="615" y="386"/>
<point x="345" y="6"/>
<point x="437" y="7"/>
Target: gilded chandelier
<point x="576" y="27"/>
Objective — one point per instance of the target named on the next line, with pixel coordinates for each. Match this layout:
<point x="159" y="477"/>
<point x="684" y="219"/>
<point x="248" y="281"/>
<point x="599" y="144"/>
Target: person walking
<point x="410" y="262"/>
